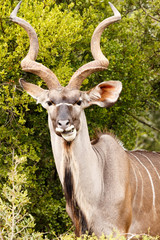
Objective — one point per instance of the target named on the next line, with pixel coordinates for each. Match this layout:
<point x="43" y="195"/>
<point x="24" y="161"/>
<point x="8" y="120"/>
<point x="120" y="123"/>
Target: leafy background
<point x="64" y="30"/>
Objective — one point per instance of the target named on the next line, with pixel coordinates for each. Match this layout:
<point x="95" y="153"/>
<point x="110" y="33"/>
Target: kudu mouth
<point x="68" y="133"/>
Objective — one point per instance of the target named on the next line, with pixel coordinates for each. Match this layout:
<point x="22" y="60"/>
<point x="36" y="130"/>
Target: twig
<point x="2" y="25"/>
<point x="25" y="227"/>
<point x="13" y="205"/>
<point x="148" y="13"/>
<point x="26" y="214"/>
<point x="20" y="209"/>
<point x="143" y="122"/>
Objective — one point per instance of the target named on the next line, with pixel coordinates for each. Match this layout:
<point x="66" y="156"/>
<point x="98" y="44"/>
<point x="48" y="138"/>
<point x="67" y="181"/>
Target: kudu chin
<point x="106" y="188"/>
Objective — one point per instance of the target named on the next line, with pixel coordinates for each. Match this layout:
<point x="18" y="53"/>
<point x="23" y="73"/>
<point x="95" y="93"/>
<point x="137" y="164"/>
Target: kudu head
<point x="65" y="104"/>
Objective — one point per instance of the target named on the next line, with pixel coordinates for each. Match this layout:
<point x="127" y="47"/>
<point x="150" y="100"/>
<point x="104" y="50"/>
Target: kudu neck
<point x="80" y="149"/>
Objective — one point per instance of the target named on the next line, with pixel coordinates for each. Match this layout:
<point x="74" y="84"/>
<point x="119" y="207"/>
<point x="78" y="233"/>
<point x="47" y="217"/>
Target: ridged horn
<point x="100" y="62"/>
<point x="29" y="64"/>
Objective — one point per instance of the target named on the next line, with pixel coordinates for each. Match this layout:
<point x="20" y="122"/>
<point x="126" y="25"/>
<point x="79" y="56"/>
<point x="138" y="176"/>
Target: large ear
<point x="32" y="89"/>
<point x="105" y="94"/>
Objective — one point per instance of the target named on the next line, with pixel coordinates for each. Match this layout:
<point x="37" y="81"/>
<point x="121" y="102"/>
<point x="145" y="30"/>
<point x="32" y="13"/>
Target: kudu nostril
<point x="59" y="123"/>
<point x="63" y="123"/>
<point x="68" y="123"/>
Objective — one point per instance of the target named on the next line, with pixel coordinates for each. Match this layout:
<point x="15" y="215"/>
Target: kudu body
<point x="106" y="188"/>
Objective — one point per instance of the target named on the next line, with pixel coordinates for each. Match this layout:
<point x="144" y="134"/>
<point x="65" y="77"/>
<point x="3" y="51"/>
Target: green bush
<point x="15" y="220"/>
<point x="64" y="29"/>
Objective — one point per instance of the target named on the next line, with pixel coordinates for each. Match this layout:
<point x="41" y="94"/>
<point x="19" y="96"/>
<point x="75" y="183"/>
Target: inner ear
<point x="108" y="90"/>
<point x="105" y="94"/>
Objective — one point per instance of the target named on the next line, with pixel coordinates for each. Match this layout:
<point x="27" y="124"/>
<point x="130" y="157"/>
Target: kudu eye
<point x="79" y="102"/>
<point x="50" y="103"/>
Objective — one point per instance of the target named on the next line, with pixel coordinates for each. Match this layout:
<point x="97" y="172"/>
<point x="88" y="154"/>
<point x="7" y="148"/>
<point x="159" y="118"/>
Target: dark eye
<point x="50" y="103"/>
<point x="79" y="102"/>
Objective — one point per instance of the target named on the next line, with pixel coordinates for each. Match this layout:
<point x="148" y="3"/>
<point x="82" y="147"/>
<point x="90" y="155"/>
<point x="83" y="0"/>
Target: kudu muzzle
<point x="64" y="123"/>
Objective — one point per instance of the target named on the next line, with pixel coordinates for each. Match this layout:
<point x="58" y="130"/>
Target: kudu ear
<point x="35" y="91"/>
<point x="105" y="94"/>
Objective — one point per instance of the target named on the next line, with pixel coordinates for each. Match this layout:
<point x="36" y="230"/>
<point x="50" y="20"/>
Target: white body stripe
<point x="136" y="181"/>
<point x="142" y="188"/>
<point x="152" y="185"/>
<point x="151" y="164"/>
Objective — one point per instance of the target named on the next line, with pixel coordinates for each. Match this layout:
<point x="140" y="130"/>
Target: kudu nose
<point x="63" y="123"/>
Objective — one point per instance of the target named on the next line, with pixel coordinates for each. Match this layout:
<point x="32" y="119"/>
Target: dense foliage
<point x="64" y="30"/>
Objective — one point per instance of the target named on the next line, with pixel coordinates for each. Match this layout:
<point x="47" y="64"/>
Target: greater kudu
<point x="106" y="188"/>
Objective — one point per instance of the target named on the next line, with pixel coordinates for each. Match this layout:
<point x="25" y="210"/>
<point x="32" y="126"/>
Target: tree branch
<point x="143" y="122"/>
<point x="148" y="13"/>
<point x="2" y="25"/>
